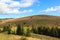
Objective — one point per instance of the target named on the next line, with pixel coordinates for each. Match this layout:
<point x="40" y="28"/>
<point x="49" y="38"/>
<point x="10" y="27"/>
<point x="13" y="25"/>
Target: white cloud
<point x="23" y="3"/>
<point x="14" y="4"/>
<point x="10" y="6"/>
<point x="21" y="12"/>
<point x="26" y="3"/>
<point x="16" y="11"/>
<point x="26" y="11"/>
<point x="52" y="9"/>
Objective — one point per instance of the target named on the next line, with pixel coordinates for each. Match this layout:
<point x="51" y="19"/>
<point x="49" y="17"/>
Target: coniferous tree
<point x="33" y="30"/>
<point x="39" y="30"/>
<point x="19" y="30"/>
<point x="9" y="29"/>
<point x="54" y="32"/>
<point x="59" y="33"/>
<point x="5" y="28"/>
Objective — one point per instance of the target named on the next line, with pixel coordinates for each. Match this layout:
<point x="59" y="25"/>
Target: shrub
<point x="28" y="33"/>
<point x="53" y="31"/>
<point x="7" y="29"/>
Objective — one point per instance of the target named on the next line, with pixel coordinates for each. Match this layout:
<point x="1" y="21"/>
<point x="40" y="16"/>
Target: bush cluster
<point x="21" y="30"/>
<point x="53" y="31"/>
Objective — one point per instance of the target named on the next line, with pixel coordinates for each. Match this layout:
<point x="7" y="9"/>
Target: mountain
<point x="5" y="18"/>
<point x="36" y="20"/>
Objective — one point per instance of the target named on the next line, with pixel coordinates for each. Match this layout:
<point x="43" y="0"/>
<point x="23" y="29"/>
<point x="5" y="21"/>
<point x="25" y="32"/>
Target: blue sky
<point x="22" y="8"/>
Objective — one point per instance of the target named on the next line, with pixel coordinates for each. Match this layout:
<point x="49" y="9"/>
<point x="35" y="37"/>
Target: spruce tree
<point x="19" y="30"/>
<point x="9" y="29"/>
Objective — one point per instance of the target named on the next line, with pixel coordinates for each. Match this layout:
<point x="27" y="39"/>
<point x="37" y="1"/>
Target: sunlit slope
<point x="36" y="20"/>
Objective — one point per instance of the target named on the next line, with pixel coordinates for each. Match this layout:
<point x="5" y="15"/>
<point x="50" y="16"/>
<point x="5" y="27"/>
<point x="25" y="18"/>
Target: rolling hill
<point x="35" y="21"/>
<point x="45" y="20"/>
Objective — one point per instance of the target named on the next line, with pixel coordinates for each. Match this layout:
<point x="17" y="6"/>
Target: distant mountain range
<point x="5" y="18"/>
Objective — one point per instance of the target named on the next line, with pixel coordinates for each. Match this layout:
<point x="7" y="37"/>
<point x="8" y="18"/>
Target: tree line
<point x="53" y="31"/>
<point x="26" y="31"/>
<point x="19" y="31"/>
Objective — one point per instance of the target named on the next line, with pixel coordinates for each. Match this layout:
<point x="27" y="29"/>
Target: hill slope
<point x="45" y="20"/>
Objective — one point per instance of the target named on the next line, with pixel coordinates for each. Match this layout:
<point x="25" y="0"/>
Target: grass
<point x="44" y="37"/>
<point x="4" y="36"/>
<point x="23" y="38"/>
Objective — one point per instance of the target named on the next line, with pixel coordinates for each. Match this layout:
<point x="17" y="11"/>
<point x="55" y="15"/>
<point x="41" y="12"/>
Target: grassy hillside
<point x="35" y="20"/>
